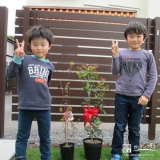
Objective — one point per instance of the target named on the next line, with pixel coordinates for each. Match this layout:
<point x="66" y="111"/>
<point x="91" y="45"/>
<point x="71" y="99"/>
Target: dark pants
<point x="127" y="110"/>
<point x="25" y="119"/>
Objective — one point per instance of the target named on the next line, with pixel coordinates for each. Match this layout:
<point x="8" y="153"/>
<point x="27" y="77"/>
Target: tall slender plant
<point x="95" y="87"/>
<point x="66" y="108"/>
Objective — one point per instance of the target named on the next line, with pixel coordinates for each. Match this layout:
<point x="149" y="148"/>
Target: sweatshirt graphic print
<point x="40" y="73"/>
<point x="132" y="66"/>
<point x="137" y="72"/>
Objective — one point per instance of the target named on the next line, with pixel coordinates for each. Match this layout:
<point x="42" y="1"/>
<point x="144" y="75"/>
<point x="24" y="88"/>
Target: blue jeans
<point x="25" y="119"/>
<point x="127" y="110"/>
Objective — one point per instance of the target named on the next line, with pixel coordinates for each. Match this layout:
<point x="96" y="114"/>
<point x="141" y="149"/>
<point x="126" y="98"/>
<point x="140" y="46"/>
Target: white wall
<point x="10" y="52"/>
<point x="153" y="8"/>
<point x="139" y="6"/>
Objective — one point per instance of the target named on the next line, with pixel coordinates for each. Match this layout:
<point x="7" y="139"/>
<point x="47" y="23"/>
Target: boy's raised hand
<point x="19" y="52"/>
<point x="114" y="48"/>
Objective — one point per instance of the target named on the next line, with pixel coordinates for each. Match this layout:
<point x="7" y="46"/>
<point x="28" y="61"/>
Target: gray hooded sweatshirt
<point x="137" y="72"/>
<point x="34" y="76"/>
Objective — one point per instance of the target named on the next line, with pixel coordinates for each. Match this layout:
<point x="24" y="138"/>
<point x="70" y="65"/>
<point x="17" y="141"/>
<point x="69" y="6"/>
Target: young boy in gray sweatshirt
<point x="34" y="74"/>
<point x="137" y="72"/>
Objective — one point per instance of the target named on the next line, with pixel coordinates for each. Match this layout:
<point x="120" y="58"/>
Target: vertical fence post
<point x="26" y="18"/>
<point x="152" y="122"/>
<point x="147" y="48"/>
<point x="3" y="46"/>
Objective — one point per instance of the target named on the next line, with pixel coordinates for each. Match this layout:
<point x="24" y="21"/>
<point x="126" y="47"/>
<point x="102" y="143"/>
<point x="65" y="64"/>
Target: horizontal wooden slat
<point x="73" y="84"/>
<point x="81" y="16"/>
<point x="79" y="93"/>
<point x="157" y="121"/>
<point x="85" y="33"/>
<point x="58" y="100"/>
<point x="75" y="59"/>
<point x="109" y="119"/>
<point x="60" y="75"/>
<point x="55" y="109"/>
<point x="61" y="66"/>
<point x="72" y="25"/>
<point x="71" y="46"/>
<point x="76" y="110"/>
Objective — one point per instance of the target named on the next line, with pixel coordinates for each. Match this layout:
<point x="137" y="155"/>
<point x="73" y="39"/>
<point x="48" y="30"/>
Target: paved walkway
<point x="6" y="149"/>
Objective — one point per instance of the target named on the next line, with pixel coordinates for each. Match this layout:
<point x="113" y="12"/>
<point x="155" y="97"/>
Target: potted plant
<point x="67" y="148"/>
<point x="93" y="105"/>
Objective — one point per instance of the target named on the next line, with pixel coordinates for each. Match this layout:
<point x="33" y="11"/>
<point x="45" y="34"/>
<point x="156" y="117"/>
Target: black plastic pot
<point x="67" y="153"/>
<point x="92" y="150"/>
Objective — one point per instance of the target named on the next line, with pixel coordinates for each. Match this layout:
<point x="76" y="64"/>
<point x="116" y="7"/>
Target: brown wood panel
<point x="76" y="117"/>
<point x="15" y="99"/>
<point x="109" y="119"/>
<point x="75" y="59"/>
<point x="14" y="91"/>
<point x="57" y="100"/>
<point x="87" y="42"/>
<point x="77" y="110"/>
<point x="60" y="75"/>
<point x="78" y="101"/>
<point x="157" y="120"/>
<point x="14" y="82"/>
<point x="3" y="46"/>
<point x="70" y="46"/>
<point x="58" y="92"/>
<point x="79" y="93"/>
<point x="158" y="104"/>
<point x="76" y="50"/>
<point x="86" y="33"/>
<point x="65" y="66"/>
<point x="89" y="51"/>
<point x="81" y="16"/>
<point x="56" y="83"/>
<point x="60" y="25"/>
<point x="55" y="109"/>
<point x="74" y="84"/>
<point x="82" y="42"/>
<point x="73" y="25"/>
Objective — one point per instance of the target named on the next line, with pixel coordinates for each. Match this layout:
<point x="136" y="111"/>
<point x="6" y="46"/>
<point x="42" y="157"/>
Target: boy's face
<point x="40" y="47"/>
<point x="135" y="41"/>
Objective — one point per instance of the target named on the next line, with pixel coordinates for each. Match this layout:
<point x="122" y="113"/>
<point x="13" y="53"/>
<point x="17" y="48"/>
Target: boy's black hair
<point x="135" y="27"/>
<point x="40" y="32"/>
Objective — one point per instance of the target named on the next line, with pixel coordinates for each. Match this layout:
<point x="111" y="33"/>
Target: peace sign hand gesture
<point x="19" y="52"/>
<point x="114" y="48"/>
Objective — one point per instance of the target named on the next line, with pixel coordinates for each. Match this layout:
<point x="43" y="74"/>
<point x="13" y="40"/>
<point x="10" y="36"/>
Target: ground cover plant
<point x="34" y="154"/>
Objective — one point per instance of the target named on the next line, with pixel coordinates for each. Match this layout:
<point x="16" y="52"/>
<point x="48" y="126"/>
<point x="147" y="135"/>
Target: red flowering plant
<point x="66" y="109"/>
<point x="95" y="87"/>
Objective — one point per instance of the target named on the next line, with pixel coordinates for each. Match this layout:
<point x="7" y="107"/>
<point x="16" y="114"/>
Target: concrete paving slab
<point x="7" y="149"/>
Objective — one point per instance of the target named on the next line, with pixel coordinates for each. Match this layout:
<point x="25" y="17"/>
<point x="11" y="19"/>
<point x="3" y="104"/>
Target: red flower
<point x="89" y="113"/>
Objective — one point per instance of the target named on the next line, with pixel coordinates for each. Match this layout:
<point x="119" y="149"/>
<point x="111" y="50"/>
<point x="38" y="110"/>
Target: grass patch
<point x="34" y="154"/>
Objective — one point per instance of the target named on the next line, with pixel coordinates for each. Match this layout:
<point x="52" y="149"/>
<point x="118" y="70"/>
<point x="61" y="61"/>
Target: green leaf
<point x="105" y="113"/>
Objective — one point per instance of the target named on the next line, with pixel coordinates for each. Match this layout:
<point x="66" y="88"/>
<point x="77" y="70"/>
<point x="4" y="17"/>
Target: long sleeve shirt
<point x="137" y="72"/>
<point x="34" y="76"/>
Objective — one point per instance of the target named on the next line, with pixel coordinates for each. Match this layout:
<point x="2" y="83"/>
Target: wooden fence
<point x="3" y="47"/>
<point x="86" y="39"/>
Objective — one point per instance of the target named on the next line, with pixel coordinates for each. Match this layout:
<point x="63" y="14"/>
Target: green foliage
<point x="11" y="37"/>
<point x="95" y="87"/>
